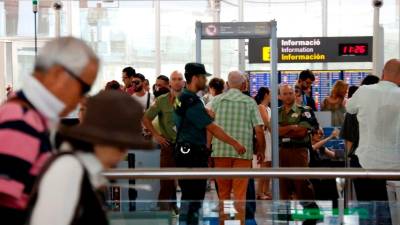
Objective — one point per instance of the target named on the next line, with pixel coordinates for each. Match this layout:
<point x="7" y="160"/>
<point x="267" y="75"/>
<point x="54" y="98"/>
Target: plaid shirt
<point x="237" y="114"/>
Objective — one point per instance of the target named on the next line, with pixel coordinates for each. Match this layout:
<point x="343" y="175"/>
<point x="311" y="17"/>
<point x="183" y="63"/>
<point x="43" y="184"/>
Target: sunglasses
<point x="84" y="86"/>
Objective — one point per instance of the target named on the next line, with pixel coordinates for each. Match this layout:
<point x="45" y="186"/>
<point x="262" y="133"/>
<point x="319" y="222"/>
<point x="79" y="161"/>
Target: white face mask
<point x="42" y="99"/>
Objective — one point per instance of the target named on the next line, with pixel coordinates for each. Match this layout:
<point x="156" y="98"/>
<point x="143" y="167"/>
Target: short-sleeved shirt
<point x="378" y="113"/>
<point x="163" y="107"/>
<point x="191" y="119"/>
<point x="298" y="115"/>
<point x="237" y="114"/>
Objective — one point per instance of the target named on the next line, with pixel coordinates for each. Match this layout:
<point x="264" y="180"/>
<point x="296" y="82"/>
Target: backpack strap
<point x="148" y="100"/>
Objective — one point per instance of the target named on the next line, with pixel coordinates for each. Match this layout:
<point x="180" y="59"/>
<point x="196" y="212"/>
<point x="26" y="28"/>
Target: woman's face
<point x="267" y="97"/>
<point x="109" y="156"/>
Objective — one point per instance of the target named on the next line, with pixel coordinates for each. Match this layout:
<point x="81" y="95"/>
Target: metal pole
<point x="324" y="25"/>
<point x="242" y="48"/>
<point x="216" y="7"/>
<point x="376" y="52"/>
<point x="158" y="36"/>
<point x="35" y="22"/>
<point x="35" y="9"/>
<point x="58" y="23"/>
<point x="274" y="106"/>
<point x="292" y="173"/>
<point x="198" y="41"/>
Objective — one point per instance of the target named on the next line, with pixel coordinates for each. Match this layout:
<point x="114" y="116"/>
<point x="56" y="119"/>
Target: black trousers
<point x="372" y="195"/>
<point x="12" y="216"/>
<point x="193" y="191"/>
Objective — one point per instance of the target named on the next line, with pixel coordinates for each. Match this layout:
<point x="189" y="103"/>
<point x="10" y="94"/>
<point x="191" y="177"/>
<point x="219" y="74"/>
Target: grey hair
<point x="236" y="78"/>
<point x="69" y="52"/>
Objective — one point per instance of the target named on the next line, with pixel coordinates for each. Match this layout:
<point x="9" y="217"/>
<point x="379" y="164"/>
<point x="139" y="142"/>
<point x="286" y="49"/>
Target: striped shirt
<point x="237" y="114"/>
<point x="24" y="148"/>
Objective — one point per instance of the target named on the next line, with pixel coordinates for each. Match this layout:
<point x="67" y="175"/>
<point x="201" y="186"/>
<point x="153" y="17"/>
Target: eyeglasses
<point x="85" y="87"/>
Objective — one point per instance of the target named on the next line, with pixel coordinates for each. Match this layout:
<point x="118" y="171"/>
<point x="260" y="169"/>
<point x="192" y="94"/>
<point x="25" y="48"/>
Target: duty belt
<point x="290" y="143"/>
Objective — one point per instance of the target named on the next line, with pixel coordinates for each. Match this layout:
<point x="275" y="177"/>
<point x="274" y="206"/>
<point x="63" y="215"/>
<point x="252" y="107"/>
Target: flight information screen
<point x="324" y="81"/>
<point x="289" y="77"/>
<point x="355" y="77"/>
<point x="258" y="79"/>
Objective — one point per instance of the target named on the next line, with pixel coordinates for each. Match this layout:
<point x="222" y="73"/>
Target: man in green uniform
<point x="163" y="107"/>
<point x="193" y="121"/>
<point x="294" y="140"/>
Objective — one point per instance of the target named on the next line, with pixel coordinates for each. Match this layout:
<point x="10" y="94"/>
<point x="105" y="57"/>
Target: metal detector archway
<point x="247" y="30"/>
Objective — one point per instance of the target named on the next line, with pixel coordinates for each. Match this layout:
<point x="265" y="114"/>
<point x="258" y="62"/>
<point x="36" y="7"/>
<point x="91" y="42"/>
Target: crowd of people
<point x="224" y="127"/>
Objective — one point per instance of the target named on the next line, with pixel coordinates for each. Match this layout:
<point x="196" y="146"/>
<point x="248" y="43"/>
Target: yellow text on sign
<point x="266" y="54"/>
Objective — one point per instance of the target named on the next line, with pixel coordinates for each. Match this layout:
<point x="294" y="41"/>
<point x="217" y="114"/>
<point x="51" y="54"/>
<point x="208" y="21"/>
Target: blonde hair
<point x="339" y="89"/>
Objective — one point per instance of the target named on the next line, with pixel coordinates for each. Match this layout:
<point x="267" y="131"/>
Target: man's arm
<point x="148" y="117"/>
<point x="219" y="133"/>
<point x="159" y="138"/>
<point x="284" y="130"/>
<point x="298" y="132"/>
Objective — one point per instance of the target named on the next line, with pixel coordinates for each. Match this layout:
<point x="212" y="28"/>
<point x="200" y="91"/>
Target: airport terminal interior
<point x="239" y="112"/>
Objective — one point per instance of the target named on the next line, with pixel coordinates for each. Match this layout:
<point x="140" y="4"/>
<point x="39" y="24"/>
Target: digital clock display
<point x="353" y="49"/>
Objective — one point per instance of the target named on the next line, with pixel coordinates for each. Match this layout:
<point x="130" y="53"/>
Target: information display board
<point x="355" y="77"/>
<point x="289" y="77"/>
<point x="322" y="86"/>
<point x="258" y="79"/>
<point x="313" y="49"/>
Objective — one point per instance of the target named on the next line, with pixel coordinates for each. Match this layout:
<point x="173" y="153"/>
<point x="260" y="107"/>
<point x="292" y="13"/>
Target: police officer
<point x="294" y="140"/>
<point x="193" y="121"/>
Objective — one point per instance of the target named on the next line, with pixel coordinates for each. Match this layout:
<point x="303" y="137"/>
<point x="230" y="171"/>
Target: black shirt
<point x="350" y="130"/>
<point x="309" y="101"/>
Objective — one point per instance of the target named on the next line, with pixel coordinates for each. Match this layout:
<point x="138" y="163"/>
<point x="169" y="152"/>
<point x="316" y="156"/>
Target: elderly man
<point x="238" y="115"/>
<point x="163" y="107"/>
<point x="379" y="125"/>
<point x="64" y="72"/>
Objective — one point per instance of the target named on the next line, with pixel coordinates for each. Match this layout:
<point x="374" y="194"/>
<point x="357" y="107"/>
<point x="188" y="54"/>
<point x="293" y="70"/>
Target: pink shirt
<point x="24" y="148"/>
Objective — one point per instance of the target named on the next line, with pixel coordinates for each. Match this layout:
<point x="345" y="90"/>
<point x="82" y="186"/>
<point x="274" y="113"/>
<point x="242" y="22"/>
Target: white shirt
<point x="59" y="190"/>
<point x="378" y="112"/>
<point x="143" y="99"/>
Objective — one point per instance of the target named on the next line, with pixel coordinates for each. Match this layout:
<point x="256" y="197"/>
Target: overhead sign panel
<point x="314" y="49"/>
<point x="234" y="30"/>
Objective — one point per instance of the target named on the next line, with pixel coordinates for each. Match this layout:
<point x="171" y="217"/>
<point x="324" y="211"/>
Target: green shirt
<point x="237" y="114"/>
<point x="164" y="109"/>
<point x="195" y="119"/>
<point x="297" y="115"/>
